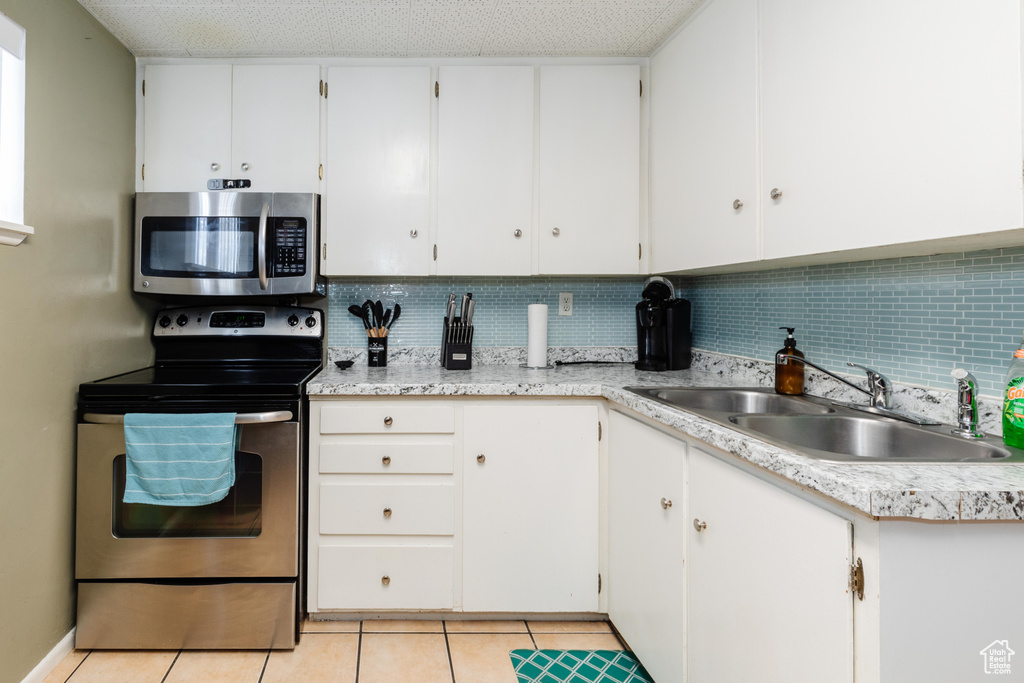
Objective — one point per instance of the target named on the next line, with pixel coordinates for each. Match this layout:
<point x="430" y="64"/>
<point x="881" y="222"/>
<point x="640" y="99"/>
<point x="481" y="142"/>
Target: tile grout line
<point x="266" y="661"/>
<point x="448" y="649"/>
<point x="530" y="631"/>
<point x="73" y="672"/>
<point x="359" y="650"/>
<point x="168" y="672"/>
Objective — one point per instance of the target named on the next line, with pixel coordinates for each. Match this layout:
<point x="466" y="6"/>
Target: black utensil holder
<point x="377" y="352"/>
<point x="456" y="355"/>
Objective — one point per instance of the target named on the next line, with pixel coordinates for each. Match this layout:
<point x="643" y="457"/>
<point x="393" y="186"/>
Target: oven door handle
<point x="262" y="247"/>
<point x="240" y="418"/>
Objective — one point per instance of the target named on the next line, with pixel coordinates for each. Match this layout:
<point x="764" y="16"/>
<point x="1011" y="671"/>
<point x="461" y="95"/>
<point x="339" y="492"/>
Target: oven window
<point x="239" y="515"/>
<point x="200" y="247"/>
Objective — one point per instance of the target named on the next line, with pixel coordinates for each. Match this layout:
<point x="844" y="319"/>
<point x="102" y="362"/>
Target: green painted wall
<point x="67" y="314"/>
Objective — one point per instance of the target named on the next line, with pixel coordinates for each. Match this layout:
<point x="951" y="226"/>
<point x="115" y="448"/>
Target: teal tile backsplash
<point x="913" y="319"/>
<point x="602" y="309"/>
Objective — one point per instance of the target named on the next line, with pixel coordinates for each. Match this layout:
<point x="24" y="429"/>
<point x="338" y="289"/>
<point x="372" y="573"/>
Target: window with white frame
<point x="12" y="133"/>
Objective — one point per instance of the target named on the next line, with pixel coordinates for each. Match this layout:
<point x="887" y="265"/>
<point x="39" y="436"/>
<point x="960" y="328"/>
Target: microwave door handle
<point x="262" y="248"/>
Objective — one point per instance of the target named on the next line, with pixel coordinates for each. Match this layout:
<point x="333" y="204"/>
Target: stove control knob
<point x="293" y="320"/>
<point x="310" y="321"/>
<point x="182" y="320"/>
<point x="165" y="321"/>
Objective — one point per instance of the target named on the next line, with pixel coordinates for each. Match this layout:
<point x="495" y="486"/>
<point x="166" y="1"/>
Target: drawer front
<point x="385" y="458"/>
<point x="387" y="418"/>
<point x="414" y="509"/>
<point x="353" y="577"/>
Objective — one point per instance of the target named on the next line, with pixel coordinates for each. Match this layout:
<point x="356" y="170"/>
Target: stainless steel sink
<point x="733" y="401"/>
<point x="868" y="439"/>
<point x="820" y="429"/>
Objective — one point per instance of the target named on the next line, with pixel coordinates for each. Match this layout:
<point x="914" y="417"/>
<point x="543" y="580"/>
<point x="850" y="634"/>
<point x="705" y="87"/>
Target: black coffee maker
<point x="662" y="328"/>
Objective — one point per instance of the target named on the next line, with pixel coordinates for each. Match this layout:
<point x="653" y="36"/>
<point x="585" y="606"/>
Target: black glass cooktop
<point x="206" y="380"/>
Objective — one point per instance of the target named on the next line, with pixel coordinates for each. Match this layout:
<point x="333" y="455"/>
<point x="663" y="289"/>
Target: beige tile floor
<point x="371" y="651"/>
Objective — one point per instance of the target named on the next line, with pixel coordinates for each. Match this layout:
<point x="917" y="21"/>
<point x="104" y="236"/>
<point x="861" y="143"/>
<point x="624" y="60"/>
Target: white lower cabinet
<point x="530" y="509"/>
<point x="646" y="544"/>
<point x="427" y="505"/>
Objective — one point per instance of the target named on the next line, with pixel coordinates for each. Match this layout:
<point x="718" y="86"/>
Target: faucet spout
<point x="880" y="388"/>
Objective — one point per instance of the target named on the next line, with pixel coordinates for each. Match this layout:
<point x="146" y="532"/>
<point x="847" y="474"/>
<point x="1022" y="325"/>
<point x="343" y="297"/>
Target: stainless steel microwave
<point x="226" y="243"/>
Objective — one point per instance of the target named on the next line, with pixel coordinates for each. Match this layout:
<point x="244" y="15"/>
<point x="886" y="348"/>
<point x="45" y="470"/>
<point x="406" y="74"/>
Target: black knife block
<point x="456" y="355"/>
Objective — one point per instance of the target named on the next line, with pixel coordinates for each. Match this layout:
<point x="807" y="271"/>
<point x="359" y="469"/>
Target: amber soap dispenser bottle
<point x="789" y="376"/>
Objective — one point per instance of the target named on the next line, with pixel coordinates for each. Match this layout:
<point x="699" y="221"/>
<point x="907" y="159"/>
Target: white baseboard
<point x="50" y="661"/>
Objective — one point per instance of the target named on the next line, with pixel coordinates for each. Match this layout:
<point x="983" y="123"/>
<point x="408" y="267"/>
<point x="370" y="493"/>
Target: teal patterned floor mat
<point x="578" y="666"/>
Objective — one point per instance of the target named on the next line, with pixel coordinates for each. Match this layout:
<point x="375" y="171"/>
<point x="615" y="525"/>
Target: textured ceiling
<point x="391" y="28"/>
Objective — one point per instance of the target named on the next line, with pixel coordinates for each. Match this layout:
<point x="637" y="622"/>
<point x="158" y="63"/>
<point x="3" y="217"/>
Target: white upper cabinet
<point x="589" y="169"/>
<point x="217" y="121"/>
<point x="888" y="122"/>
<point x="275" y="127"/>
<point x="704" y="191"/>
<point x="187" y="133"/>
<point x="376" y="201"/>
<point x="485" y="170"/>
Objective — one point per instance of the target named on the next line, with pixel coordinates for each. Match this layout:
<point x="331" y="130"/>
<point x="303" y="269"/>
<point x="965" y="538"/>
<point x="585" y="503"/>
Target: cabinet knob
<point x="387" y="512"/>
<point x="214" y="167"/>
<point x="556" y="232"/>
<point x="517" y="233"/>
<point x="414" y="233"/>
<point x="388" y="421"/>
<point x="245" y="166"/>
<point x="737" y="204"/>
<point x="699" y="525"/>
<point x="386" y="460"/>
<point x="666" y="503"/>
<point x="776" y="193"/>
<point x="481" y="458"/>
<point x="385" y="579"/>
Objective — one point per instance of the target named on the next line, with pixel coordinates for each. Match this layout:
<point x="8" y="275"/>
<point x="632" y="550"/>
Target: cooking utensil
<point x="358" y="312"/>
<point x="384" y="323"/>
<point x="468" y="315"/>
<point x="367" y="314"/>
<point x="394" y="318"/>
<point x="378" y="316"/>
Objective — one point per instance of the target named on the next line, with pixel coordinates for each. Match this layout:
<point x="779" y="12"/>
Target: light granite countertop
<point x="931" y="492"/>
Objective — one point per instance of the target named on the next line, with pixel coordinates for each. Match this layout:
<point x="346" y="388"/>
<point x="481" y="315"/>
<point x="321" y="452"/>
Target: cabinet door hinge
<point x="640" y="251"/>
<point x="598" y="583"/>
<point x="435" y="252"/>
<point x="598" y="430"/>
<point x="641" y="88"/>
<point x="437" y="89"/>
<point x="143" y="87"/>
<point x="857" y="579"/>
<point x="321" y="171"/>
<point x="321" y="87"/>
<point x="143" y="171"/>
<point x="325" y="251"/>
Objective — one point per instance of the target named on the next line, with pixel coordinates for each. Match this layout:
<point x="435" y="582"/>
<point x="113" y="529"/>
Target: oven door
<point x="225" y="243"/>
<point x="253" y="532"/>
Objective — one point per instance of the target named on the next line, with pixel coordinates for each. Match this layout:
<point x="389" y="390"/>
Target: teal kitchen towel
<point x="182" y="460"/>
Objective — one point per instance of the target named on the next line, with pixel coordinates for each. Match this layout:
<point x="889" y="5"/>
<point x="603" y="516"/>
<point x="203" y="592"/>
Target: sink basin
<point x="733" y="401"/>
<point x="846" y="438"/>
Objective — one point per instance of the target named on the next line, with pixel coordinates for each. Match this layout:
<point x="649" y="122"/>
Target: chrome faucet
<point x="879" y="389"/>
<point x="966" y="405"/>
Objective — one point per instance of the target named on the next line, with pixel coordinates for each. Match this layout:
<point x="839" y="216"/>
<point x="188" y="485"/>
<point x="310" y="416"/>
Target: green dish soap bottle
<point x="1013" y="401"/>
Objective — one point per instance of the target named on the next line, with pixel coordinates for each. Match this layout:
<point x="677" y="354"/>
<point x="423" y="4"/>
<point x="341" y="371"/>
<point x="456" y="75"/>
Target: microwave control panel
<point x="289" y="247"/>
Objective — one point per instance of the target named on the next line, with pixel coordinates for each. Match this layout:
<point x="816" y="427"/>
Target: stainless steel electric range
<point x="224" y="575"/>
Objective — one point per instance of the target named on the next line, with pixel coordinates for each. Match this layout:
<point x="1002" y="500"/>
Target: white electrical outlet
<point x="565" y="303"/>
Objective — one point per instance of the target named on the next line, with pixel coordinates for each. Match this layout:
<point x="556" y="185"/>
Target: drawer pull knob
<point x="385" y="579"/>
<point x="699" y="525"/>
<point x="387" y="512"/>
<point x="386" y="460"/>
<point x="481" y="458"/>
<point x="666" y="503"/>
<point x="388" y="421"/>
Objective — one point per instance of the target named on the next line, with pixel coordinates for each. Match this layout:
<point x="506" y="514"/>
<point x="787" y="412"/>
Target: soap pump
<point x="789" y="376"/>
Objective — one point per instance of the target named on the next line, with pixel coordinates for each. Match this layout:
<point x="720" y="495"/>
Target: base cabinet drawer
<point x="411" y="509"/>
<point x="386" y="458"/>
<point x="385" y="577"/>
<point x="387" y="418"/>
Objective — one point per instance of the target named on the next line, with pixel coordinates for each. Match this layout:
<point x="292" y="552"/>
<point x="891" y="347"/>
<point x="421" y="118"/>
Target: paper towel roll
<point x="537" y="336"/>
